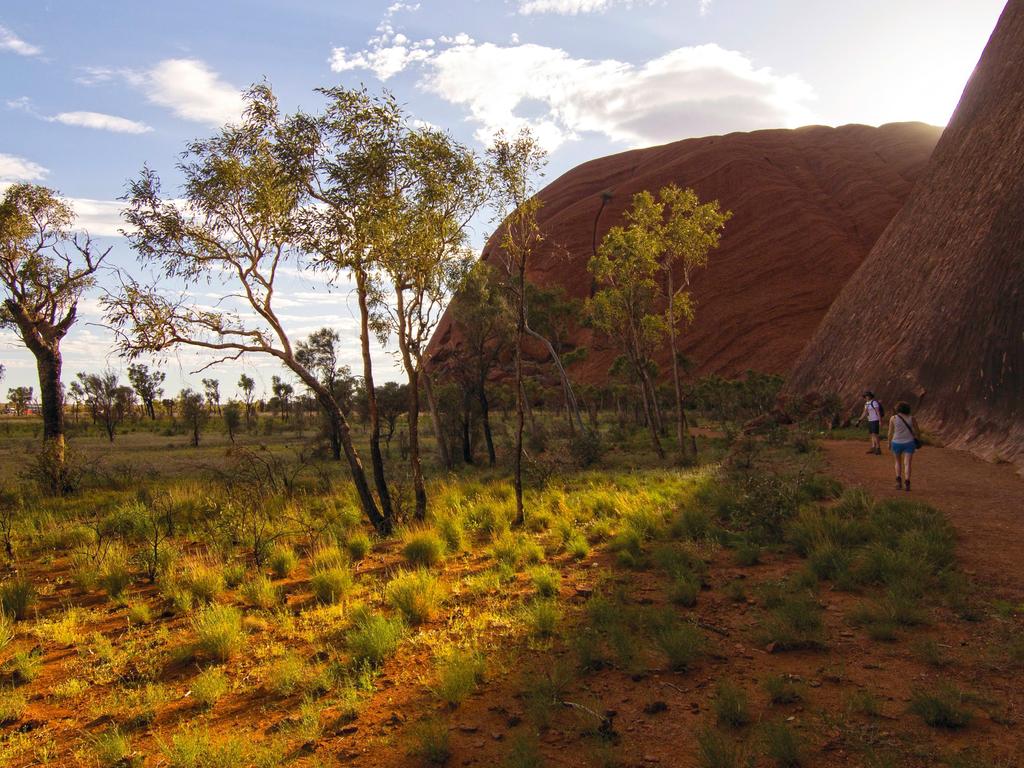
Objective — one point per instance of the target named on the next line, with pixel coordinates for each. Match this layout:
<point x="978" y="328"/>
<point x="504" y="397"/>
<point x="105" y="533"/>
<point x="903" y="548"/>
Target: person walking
<point x="903" y="441"/>
<point x="873" y="412"/>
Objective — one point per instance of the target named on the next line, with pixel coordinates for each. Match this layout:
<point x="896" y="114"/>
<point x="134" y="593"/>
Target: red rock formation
<point x="935" y="314"/>
<point x="808" y="204"/>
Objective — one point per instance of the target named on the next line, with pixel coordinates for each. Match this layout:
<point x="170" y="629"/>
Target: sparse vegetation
<point x="219" y="631"/>
<point x="416" y="594"/>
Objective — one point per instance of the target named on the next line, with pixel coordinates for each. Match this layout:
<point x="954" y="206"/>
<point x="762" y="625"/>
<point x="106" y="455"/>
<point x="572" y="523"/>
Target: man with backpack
<point x="873" y="412"/>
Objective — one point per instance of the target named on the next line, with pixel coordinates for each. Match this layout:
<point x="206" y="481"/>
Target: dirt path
<point x="985" y="503"/>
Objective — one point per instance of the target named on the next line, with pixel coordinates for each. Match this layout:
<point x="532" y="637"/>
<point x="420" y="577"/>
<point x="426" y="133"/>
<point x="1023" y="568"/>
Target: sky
<point x="92" y="90"/>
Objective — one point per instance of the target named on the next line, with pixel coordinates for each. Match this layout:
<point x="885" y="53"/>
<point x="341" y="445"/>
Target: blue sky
<point x="90" y="91"/>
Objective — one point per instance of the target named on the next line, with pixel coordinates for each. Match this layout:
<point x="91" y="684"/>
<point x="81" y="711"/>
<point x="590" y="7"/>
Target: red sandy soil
<point x="984" y="501"/>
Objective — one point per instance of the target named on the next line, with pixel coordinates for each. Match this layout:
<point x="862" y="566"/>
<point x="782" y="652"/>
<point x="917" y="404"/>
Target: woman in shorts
<point x="903" y="443"/>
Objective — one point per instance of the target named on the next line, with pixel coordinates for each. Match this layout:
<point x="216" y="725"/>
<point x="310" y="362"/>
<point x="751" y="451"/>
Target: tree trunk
<point x="444" y="452"/>
<point x="412" y="372"/>
<point x="682" y="431"/>
<point x="414" y="444"/>
<point x="467" y="428"/>
<point x="570" y="398"/>
<point x="485" y="416"/>
<point x="382" y="524"/>
<point x="517" y="463"/>
<point x="48" y="366"/>
<point x="376" y="458"/>
<point x="647" y="388"/>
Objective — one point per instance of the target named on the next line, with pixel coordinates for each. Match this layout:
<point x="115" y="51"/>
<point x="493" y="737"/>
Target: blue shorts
<point x="873" y="427"/>
<point x="899" y="448"/>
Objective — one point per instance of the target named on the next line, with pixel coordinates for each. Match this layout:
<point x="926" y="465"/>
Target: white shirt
<point x="874" y="410"/>
<point x="901" y="432"/>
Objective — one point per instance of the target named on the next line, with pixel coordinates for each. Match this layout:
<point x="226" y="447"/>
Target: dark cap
<point x="868" y="393"/>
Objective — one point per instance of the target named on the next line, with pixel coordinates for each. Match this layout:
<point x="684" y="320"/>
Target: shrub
<point x="234" y="574"/>
<point x="586" y="448"/>
<point x="327" y="557"/>
<point x="260" y="592"/>
<point x="331" y="584"/>
<point x="24" y="666"/>
<point x="416" y="594"/>
<point x="139" y="613"/>
<point x="782" y="690"/>
<point x="794" y="624"/>
<point x="286" y="675"/>
<point x="458" y="673"/>
<point x="193" y="748"/>
<point x="358" y="546"/>
<point x="283" y="561"/>
<point x="374" y="638"/>
<point x="943" y="708"/>
<point x="514" y="550"/>
<point x="782" y="746"/>
<point x="209" y="686"/>
<point x="748" y="553"/>
<point x="576" y="546"/>
<point x="716" y="750"/>
<point x="546" y="581"/>
<point x="219" y="631"/>
<point x="684" y="591"/>
<point x="17" y="596"/>
<point x="115" y="577"/>
<point x="450" y="529"/>
<point x="430" y="742"/>
<point x="423" y="548"/>
<point x="542" y="617"/>
<point x="682" y="644"/>
<point x="732" y="707"/>
<point x="12" y="705"/>
<point x="6" y="629"/>
<point x="111" y="748"/>
<point x="203" y="580"/>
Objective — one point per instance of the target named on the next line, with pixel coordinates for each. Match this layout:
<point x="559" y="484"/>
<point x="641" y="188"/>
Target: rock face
<point x="935" y="314"/>
<point x="807" y="206"/>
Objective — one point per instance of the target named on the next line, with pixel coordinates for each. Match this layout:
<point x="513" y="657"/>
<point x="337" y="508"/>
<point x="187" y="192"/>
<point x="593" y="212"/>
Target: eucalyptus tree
<point x="193" y="412"/>
<point x="319" y="353"/>
<point x="211" y="391"/>
<point x="109" y="401"/>
<point x="20" y="399"/>
<point x="283" y="392"/>
<point x="482" y="316"/>
<point x="423" y="249"/>
<point x="624" y="306"/>
<point x="248" y="385"/>
<point x="515" y="165"/>
<point x="44" y="271"/>
<point x="237" y="224"/>
<point x="688" y="230"/>
<point x="344" y="159"/>
<point x="146" y="384"/>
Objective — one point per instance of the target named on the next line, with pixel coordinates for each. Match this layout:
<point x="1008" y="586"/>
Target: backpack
<point x="881" y="408"/>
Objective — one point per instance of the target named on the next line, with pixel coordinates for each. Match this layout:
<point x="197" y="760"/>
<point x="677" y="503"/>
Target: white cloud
<point x="18" y="169"/>
<point x="188" y="87"/>
<point x="100" y="218"/>
<point x="100" y="121"/>
<point x="192" y="91"/>
<point x="690" y="91"/>
<point x="97" y="120"/>
<point x="705" y="7"/>
<point x="11" y="42"/>
<point x="571" y="7"/>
